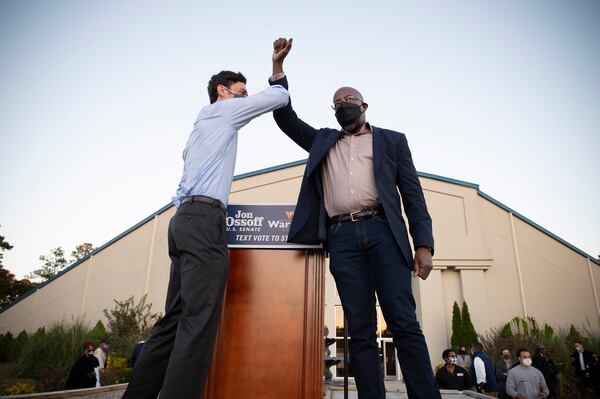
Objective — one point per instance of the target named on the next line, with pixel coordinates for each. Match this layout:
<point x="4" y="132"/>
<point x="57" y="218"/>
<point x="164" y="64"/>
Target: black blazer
<point x="393" y="168"/>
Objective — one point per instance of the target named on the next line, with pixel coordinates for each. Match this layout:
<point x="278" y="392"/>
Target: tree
<point x="81" y="251"/>
<point x="10" y="287"/>
<point x="98" y="333"/>
<point x="14" y="351"/>
<point x="4" y="246"/>
<point x="128" y="323"/>
<point x="469" y="334"/>
<point x="6" y="341"/>
<point x="506" y="331"/>
<point x="575" y="336"/>
<point x="457" y="336"/>
<point x="53" y="264"/>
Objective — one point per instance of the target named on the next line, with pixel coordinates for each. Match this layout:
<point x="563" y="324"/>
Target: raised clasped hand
<point x="281" y="48"/>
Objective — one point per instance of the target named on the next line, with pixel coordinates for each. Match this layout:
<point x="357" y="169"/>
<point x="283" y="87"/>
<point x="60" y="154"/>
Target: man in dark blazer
<point x="502" y="368"/>
<point x="349" y="202"/>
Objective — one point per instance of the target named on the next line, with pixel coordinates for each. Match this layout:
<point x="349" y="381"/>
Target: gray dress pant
<point x="176" y="359"/>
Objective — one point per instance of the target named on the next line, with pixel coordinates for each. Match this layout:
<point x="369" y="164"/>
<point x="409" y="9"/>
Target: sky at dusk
<point x="98" y="98"/>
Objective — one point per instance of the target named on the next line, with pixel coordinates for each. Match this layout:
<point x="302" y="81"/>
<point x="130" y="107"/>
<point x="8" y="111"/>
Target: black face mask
<point x="348" y="116"/>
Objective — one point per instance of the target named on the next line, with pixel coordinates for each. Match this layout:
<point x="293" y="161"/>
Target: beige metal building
<point x="501" y="263"/>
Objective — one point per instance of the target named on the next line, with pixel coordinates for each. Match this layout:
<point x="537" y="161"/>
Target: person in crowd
<point x="357" y="181"/>
<point x="595" y="372"/>
<point x="83" y="373"/>
<point x="525" y="381"/>
<point x="483" y="371"/>
<point x="463" y="359"/>
<point x="502" y="368"/>
<point x="582" y="361"/>
<point x="452" y="376"/>
<point x="543" y="362"/>
<point x="135" y="354"/>
<point x="101" y="354"/>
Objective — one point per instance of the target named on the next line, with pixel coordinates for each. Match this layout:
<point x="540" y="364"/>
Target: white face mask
<point x="526" y="362"/>
<point x="452" y="360"/>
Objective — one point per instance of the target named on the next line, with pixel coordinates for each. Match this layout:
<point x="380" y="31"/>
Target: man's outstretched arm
<point x="302" y="133"/>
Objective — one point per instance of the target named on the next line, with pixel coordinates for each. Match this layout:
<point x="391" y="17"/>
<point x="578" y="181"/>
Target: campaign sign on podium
<point x="260" y="226"/>
<point x="270" y="340"/>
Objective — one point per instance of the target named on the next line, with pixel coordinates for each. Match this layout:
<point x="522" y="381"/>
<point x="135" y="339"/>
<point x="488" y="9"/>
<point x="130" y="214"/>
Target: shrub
<point x="469" y="335"/>
<point x="117" y="370"/>
<point x="457" y="336"/>
<point x="98" y="333"/>
<point x="128" y="323"/>
<point x="16" y="347"/>
<point x="19" y="388"/>
<point x="48" y="356"/>
<point x="6" y="341"/>
<point x="527" y="333"/>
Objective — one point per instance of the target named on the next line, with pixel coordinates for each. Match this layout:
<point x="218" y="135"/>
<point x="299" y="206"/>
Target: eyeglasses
<point x="237" y="95"/>
<point x="348" y="99"/>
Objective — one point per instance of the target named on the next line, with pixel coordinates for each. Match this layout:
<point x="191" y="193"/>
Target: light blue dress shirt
<point x="210" y="152"/>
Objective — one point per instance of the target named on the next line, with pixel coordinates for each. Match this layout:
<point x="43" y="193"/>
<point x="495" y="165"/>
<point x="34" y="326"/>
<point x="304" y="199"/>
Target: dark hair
<point x="521" y="350"/>
<point x="478" y="347"/>
<point x="87" y="344"/>
<point x="446" y="353"/>
<point x="225" y="78"/>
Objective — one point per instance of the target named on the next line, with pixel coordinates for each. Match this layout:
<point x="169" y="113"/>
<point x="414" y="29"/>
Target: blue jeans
<point x="365" y="259"/>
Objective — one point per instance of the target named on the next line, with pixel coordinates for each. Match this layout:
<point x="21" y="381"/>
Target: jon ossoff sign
<point x="259" y="226"/>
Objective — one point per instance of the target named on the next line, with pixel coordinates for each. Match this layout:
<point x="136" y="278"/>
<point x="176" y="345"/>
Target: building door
<point x="390" y="362"/>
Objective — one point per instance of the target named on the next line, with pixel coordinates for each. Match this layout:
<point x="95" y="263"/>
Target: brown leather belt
<point x="204" y="199"/>
<point x="357" y="215"/>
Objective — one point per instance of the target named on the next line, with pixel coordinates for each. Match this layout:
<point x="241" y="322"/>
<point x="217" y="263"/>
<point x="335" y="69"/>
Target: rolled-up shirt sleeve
<point x="240" y="111"/>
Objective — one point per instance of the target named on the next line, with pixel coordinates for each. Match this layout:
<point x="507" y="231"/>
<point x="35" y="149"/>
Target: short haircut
<point x="225" y="78"/>
<point x="521" y="350"/>
<point x="478" y="346"/>
<point x="446" y="353"/>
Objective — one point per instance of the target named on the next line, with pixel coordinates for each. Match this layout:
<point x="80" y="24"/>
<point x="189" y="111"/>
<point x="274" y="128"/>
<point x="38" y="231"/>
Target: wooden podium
<point x="270" y="339"/>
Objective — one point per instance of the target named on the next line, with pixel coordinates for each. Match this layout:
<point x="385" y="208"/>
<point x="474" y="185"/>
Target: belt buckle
<point x="352" y="216"/>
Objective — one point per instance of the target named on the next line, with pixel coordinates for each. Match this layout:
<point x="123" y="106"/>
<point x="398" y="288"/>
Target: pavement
<point x="395" y="390"/>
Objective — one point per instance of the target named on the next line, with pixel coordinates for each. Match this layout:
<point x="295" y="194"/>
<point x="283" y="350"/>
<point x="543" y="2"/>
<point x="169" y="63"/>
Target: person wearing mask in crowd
<point x="452" y="376"/>
<point x="525" y="381"/>
<point x="582" y="362"/>
<point x="502" y="368"/>
<point x="483" y="371"/>
<point x="101" y="354"/>
<point x="83" y="373"/>
<point x="463" y="359"/>
<point x="356" y="183"/>
<point x="543" y="362"/>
